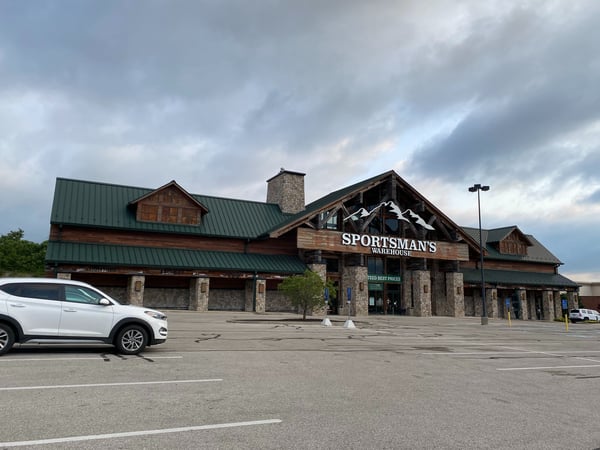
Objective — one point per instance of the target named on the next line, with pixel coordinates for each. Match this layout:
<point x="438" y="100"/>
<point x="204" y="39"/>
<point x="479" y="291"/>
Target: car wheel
<point x="7" y="338"/>
<point x="131" y="340"/>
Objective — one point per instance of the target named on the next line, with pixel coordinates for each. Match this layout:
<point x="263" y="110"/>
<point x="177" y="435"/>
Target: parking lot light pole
<point x="477" y="188"/>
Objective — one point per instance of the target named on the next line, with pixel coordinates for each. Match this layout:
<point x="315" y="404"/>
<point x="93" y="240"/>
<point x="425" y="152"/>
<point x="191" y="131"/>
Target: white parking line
<point x="136" y="433"/>
<point x="552" y="354"/>
<point x="519" y="352"/>
<point x="134" y="383"/>
<point x="95" y="358"/>
<point x="508" y="369"/>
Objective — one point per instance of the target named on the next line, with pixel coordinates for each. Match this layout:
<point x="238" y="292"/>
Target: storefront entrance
<point x="385" y="286"/>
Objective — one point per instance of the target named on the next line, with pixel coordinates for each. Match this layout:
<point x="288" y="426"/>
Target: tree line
<point x="19" y="257"/>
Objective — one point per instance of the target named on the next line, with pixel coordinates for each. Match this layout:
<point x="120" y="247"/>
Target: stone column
<point x="491" y="302"/>
<point x="421" y="281"/>
<point x="256" y="292"/>
<point x="523" y="304"/>
<point x="455" y="294"/>
<point x="558" y="312"/>
<point x="135" y="290"/>
<point x="321" y="270"/>
<point x="355" y="277"/>
<point x="199" y="289"/>
<point x="548" y="305"/>
<point x="63" y="276"/>
<point x="572" y="300"/>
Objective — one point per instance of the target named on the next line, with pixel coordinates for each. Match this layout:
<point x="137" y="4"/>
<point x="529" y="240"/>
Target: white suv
<point x="583" y="315"/>
<point x="58" y="311"/>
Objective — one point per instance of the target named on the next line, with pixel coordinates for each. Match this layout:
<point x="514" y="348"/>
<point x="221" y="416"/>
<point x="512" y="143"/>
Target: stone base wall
<point x="161" y="298"/>
<point x="118" y="293"/>
<point x="227" y="300"/>
<point x="277" y="302"/>
<point x="470" y="310"/>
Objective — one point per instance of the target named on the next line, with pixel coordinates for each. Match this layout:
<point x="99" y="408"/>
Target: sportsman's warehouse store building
<point x="398" y="253"/>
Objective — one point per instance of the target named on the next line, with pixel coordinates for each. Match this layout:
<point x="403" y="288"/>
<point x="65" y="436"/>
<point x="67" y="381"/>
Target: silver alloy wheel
<point x="7" y="339"/>
<point x="3" y="338"/>
<point x="133" y="339"/>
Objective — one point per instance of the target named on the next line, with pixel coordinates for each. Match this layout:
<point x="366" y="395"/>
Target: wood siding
<point x="285" y="245"/>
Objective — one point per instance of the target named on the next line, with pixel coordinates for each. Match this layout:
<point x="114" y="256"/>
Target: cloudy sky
<point x="219" y="95"/>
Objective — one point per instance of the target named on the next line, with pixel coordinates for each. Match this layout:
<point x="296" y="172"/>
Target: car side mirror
<point x="104" y="302"/>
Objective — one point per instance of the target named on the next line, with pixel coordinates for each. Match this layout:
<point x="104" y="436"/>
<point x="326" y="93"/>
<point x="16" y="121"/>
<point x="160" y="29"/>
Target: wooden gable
<point x="382" y="205"/>
<point x="515" y="243"/>
<point x="169" y="204"/>
<point x="511" y="241"/>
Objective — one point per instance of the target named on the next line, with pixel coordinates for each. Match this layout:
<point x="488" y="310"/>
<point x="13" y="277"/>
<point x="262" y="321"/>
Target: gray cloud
<point x="220" y="95"/>
<point x="527" y="81"/>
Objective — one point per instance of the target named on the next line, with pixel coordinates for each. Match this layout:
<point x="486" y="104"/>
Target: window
<point x="33" y="290"/>
<point x="332" y="221"/>
<point x="375" y="266"/>
<point x="79" y="294"/>
<point x="333" y="265"/>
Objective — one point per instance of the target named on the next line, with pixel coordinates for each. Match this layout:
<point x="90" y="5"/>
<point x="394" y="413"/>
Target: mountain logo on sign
<point x="408" y="215"/>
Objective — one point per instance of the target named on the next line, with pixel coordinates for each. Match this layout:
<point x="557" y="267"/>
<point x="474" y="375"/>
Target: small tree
<point x="306" y="291"/>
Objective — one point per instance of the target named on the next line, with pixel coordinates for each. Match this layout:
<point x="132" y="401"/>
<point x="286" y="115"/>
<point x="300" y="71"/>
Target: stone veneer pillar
<point x="256" y="293"/>
<point x="63" y="276"/>
<point x="199" y="289"/>
<point x="548" y="305"/>
<point x="523" y="304"/>
<point x="572" y="300"/>
<point x="558" y="312"/>
<point x="354" y="277"/>
<point x="135" y="290"/>
<point x="321" y="270"/>
<point x="455" y="294"/>
<point x="421" y="286"/>
<point x="491" y="302"/>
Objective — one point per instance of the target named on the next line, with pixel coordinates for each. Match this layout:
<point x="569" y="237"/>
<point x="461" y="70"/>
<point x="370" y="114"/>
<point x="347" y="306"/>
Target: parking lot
<point x="271" y="381"/>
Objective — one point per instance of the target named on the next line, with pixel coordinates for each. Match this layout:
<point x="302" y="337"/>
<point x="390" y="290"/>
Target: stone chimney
<point x="287" y="190"/>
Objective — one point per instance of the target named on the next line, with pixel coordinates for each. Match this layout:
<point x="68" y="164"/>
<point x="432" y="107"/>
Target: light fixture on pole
<point x="477" y="188"/>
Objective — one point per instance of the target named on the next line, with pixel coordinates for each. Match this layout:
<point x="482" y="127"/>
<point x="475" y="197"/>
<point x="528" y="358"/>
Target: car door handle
<point x="69" y="310"/>
<point x="17" y="305"/>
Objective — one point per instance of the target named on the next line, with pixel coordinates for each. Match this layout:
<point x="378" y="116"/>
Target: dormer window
<point x="515" y="243"/>
<point x="169" y="204"/>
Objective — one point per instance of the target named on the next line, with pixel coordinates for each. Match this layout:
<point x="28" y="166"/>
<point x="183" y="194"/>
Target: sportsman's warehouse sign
<point x="380" y="245"/>
<point x="388" y="245"/>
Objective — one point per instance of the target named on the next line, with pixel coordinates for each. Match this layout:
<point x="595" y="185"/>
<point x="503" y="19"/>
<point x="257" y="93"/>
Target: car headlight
<point x="156" y="315"/>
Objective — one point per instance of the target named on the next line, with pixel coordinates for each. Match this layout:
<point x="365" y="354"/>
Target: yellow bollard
<point x="567" y="323"/>
<point x="509" y="324"/>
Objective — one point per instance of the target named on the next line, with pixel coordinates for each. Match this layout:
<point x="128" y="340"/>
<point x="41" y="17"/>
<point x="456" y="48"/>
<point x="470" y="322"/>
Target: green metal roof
<point x="536" y="253"/>
<point x="101" y="205"/>
<point x="169" y="258"/>
<point x="517" y="278"/>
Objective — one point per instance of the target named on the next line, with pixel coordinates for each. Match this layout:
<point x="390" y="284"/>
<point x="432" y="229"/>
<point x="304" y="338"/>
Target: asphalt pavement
<point x="272" y="381"/>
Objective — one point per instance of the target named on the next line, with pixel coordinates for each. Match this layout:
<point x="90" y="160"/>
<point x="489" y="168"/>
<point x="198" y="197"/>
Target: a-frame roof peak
<point x="354" y="191"/>
<point x="171" y="184"/>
